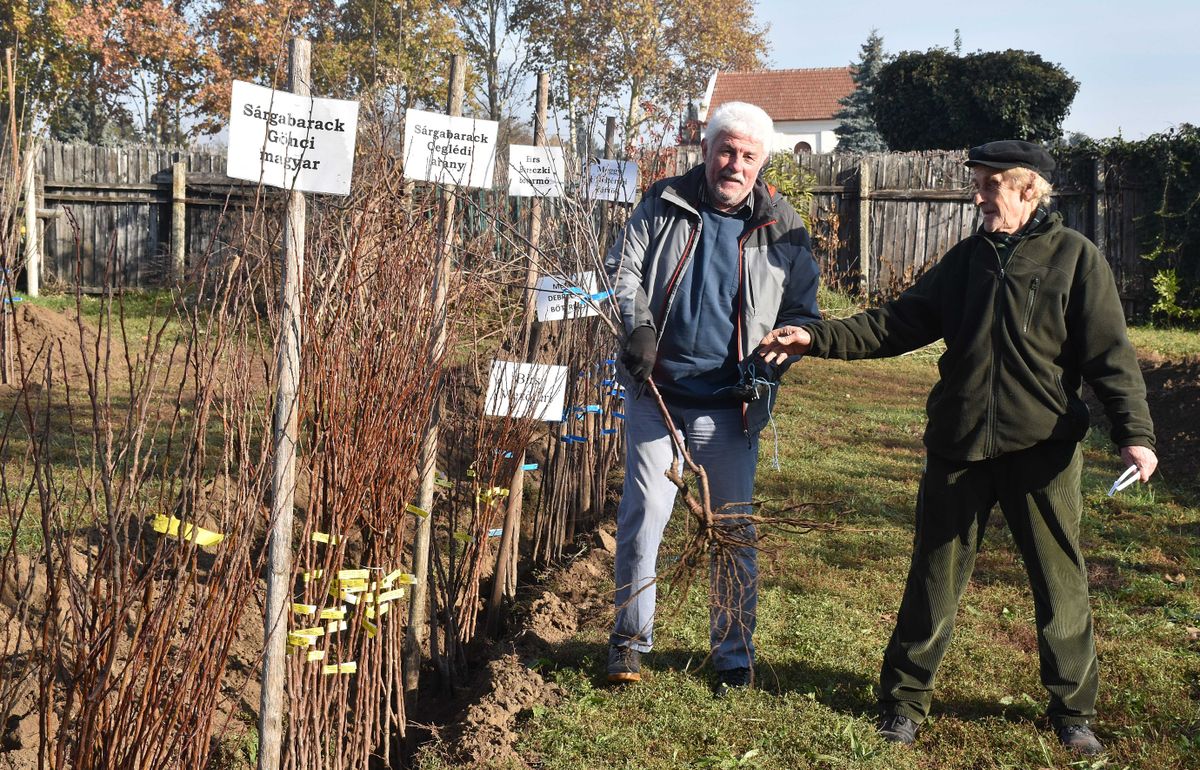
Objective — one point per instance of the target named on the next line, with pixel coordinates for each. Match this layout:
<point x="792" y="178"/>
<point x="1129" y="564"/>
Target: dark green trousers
<point x="1038" y="491"/>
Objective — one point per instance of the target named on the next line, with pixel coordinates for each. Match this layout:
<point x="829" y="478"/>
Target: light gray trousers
<point x="715" y="440"/>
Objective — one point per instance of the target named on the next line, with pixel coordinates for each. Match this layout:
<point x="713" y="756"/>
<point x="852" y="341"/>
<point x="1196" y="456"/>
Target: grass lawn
<point x="850" y="440"/>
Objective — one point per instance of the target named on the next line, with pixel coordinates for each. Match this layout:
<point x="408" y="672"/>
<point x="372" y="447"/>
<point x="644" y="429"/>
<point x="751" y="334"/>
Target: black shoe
<point x="897" y="728"/>
<point x="624" y="664"/>
<point x="731" y="679"/>
<point x="1079" y="739"/>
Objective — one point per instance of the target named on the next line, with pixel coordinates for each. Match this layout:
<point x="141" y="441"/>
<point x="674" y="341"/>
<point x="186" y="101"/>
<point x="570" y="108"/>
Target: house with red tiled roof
<point x="802" y="102"/>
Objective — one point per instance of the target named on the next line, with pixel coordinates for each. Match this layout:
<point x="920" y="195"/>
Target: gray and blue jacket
<point x="777" y="273"/>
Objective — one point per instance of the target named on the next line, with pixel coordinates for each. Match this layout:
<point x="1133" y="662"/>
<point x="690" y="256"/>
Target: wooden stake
<point x="283" y="479"/>
<point x="429" y="446"/>
<point x="504" y="578"/>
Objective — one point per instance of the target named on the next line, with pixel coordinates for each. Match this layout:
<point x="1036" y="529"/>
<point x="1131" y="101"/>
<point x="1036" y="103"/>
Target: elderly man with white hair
<point x="709" y="262"/>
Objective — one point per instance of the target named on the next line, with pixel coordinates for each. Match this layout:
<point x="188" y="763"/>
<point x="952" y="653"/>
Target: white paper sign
<point x="535" y="171"/>
<point x="291" y="141"/>
<point x="565" y="297"/>
<point x="537" y="391"/>
<point x="449" y="150"/>
<point x="613" y="180"/>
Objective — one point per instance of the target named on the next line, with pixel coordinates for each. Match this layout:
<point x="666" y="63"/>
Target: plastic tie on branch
<point x="299" y="641"/>
<point x="463" y="537"/>
<point x="350" y="667"/>
<point x="303" y="609"/>
<point x="324" y="537"/>
<point x="529" y="467"/>
<point x="414" y="510"/>
<point x="401" y="577"/>
<point x="171" y="526"/>
<point x="373" y="611"/>
<point x="486" y="496"/>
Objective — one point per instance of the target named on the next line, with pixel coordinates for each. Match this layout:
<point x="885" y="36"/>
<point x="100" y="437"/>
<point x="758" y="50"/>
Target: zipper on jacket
<point x="1033" y="290"/>
<point x="997" y="333"/>
<point x="669" y="297"/>
<point x="994" y="375"/>
<point x="741" y="305"/>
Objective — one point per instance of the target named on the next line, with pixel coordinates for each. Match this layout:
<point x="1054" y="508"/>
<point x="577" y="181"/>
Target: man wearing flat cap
<point x="1028" y="310"/>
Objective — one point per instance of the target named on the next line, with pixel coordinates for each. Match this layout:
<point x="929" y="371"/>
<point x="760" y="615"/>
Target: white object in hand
<point x="1130" y="475"/>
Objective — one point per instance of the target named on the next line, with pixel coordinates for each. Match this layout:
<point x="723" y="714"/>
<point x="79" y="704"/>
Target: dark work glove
<point x="641" y="349"/>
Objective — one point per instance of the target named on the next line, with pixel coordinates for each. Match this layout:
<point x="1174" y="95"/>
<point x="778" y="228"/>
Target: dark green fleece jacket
<point x="1020" y="340"/>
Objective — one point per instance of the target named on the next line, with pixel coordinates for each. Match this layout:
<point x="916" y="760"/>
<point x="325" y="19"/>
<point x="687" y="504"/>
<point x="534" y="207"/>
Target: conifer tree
<point x="857" y="131"/>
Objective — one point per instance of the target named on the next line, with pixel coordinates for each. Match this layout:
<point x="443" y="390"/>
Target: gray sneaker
<point x="897" y="728"/>
<point x="624" y="664"/>
<point x="1079" y="739"/>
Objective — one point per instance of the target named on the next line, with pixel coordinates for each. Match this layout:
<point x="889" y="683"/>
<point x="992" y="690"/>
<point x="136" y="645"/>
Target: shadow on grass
<point x="840" y="689"/>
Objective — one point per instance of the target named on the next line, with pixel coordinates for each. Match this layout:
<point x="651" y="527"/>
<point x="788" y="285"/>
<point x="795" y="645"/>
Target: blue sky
<point x="1137" y="63"/>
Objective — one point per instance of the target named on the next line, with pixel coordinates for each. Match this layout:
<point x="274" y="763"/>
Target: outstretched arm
<point x="783" y="342"/>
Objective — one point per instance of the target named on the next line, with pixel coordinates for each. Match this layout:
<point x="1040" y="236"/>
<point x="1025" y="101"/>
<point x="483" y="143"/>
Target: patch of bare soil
<point x="1173" y="394"/>
<point x="43" y="334"/>
<point x="482" y="732"/>
<point x="1173" y="391"/>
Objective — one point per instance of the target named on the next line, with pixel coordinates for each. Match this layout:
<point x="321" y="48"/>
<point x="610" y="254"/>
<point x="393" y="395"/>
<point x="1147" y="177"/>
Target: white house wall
<point x="818" y="133"/>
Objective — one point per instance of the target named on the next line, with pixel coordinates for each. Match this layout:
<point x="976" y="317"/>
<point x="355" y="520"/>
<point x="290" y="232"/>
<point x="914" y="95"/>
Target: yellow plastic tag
<point x="410" y="508"/>
<point x="340" y="668"/>
<point x="303" y="609"/>
<point x="354" y="574"/>
<point x="312" y="631"/>
<point x="375" y="611"/>
<point x="336" y="625"/>
<point x="322" y="537"/>
<point x="463" y="537"/>
<point x="316" y="654"/>
<point x="333" y="613"/>
<point x="169" y="525"/>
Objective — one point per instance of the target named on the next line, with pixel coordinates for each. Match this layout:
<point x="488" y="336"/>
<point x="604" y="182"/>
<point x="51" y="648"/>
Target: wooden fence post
<point x="178" y="219"/>
<point x="429" y="446"/>
<point x="864" y="225"/>
<point x="283" y="478"/>
<point x="610" y="140"/>
<point x="33" y="245"/>
<point x="1100" y="207"/>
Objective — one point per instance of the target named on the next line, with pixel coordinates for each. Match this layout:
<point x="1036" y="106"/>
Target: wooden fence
<point x="114" y="209"/>
<point x="878" y="221"/>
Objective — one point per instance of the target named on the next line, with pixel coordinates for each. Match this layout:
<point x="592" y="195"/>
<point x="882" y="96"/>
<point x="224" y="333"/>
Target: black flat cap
<point x="1011" y="153"/>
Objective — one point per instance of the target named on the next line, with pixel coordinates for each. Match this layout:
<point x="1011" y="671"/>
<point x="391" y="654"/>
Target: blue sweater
<point x="697" y="352"/>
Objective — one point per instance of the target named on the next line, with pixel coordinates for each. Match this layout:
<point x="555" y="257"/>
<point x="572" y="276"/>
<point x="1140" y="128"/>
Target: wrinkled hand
<point x="1143" y="457"/>
<point x="783" y="342"/>
<point x="641" y="350"/>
